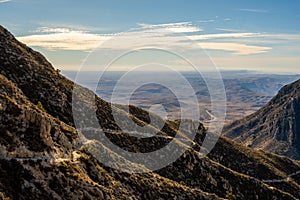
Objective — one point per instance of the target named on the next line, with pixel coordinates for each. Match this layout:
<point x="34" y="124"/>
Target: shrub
<point x="230" y="196"/>
<point x="182" y="183"/>
<point x="40" y="106"/>
<point x="3" y="72"/>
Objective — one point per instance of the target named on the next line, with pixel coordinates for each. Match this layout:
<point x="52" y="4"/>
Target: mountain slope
<point x="38" y="161"/>
<point x="275" y="127"/>
<point x="50" y="159"/>
<point x="40" y="150"/>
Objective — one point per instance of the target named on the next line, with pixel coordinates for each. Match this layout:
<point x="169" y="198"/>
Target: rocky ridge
<point x="275" y="127"/>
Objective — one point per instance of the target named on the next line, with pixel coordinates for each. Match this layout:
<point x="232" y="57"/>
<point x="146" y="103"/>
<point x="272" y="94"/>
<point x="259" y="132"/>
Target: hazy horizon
<point x="235" y="35"/>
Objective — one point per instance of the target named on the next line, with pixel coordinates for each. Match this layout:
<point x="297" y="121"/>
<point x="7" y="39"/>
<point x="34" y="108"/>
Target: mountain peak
<point x="18" y="52"/>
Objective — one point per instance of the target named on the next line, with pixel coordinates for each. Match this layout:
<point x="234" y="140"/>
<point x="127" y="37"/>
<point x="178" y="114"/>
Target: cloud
<point x="236" y="48"/>
<point x="221" y="35"/>
<point x="291" y="37"/>
<point x="254" y="10"/>
<point x="165" y="36"/>
<point x="73" y="39"/>
<point x="54" y="30"/>
<point x="3" y="1"/>
<point x="206" y="21"/>
<point x="178" y="27"/>
<point x="65" y="39"/>
<point x="229" y="30"/>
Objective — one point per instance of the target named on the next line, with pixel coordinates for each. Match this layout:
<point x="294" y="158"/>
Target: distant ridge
<point x="275" y="127"/>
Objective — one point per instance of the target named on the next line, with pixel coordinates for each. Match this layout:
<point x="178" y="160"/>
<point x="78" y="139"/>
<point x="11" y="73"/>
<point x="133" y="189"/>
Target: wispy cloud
<point x="3" y="1"/>
<point x="278" y="36"/>
<point x="161" y="35"/>
<point x="254" y="10"/>
<point x="73" y="39"/>
<point x="63" y="38"/>
<point x="206" y="21"/>
<point x="230" y="30"/>
<point x="54" y="30"/>
<point x="70" y="26"/>
<point x="236" y="48"/>
<point x="222" y="35"/>
<point x="179" y="27"/>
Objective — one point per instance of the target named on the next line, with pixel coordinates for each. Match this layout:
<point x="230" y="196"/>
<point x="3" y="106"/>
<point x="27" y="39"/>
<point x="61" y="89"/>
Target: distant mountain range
<point x="246" y="91"/>
<point x="43" y="156"/>
<point x="275" y="127"/>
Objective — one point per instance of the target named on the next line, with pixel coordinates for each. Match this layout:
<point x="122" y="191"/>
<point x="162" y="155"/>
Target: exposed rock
<point x="275" y="127"/>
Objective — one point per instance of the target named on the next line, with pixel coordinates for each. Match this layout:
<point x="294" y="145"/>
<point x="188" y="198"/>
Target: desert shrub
<point x="3" y="72"/>
<point x="40" y="106"/>
<point x="230" y="196"/>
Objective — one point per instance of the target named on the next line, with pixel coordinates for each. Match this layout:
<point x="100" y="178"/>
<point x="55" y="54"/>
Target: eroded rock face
<point x="275" y="127"/>
<point x="42" y="156"/>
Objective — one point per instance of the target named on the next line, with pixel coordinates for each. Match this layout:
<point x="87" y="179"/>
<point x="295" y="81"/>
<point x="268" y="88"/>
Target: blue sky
<point x="253" y="35"/>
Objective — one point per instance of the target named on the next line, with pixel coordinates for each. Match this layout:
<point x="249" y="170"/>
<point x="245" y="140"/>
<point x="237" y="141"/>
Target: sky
<point x="235" y="35"/>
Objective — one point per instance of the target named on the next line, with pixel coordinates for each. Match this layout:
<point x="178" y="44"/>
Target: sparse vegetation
<point x="40" y="106"/>
<point x="3" y="72"/>
<point x="182" y="183"/>
<point x="230" y="196"/>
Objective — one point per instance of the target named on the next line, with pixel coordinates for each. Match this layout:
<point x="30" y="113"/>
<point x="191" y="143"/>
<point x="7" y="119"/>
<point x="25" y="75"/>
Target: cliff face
<point x="42" y="155"/>
<point x="275" y="127"/>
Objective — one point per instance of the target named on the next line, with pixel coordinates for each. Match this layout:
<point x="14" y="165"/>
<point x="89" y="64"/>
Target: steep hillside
<point x="38" y="160"/>
<point x="275" y="127"/>
<point x="43" y="156"/>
